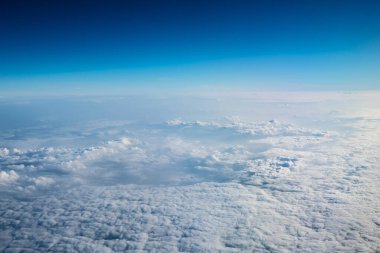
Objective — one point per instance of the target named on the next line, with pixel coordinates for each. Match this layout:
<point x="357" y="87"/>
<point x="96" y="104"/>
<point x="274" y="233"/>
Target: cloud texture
<point x="231" y="184"/>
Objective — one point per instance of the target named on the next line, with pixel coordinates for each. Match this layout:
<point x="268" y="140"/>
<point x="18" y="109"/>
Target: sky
<point x="96" y="46"/>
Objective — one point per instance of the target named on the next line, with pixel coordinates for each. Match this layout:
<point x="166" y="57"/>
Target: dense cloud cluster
<point x="193" y="186"/>
<point x="270" y="128"/>
<point x="168" y="159"/>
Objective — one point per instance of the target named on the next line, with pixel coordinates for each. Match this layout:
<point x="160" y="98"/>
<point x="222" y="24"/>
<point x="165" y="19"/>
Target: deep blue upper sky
<point x="280" y="43"/>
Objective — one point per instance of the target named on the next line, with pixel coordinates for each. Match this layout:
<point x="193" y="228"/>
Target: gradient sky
<point x="90" y="45"/>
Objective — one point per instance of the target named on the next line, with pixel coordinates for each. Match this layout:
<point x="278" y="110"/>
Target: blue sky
<point x="78" y="46"/>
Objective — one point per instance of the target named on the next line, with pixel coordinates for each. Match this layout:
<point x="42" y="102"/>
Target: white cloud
<point x="43" y="181"/>
<point x="4" y="152"/>
<point x="230" y="185"/>
<point x="269" y="128"/>
<point x="7" y="177"/>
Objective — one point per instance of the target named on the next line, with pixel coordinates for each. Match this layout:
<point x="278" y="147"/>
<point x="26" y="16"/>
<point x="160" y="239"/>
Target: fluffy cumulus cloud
<point x="6" y="177"/>
<point x="269" y="128"/>
<point x="232" y="184"/>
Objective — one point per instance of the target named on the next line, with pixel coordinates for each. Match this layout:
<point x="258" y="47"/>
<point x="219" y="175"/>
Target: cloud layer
<point x="227" y="185"/>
